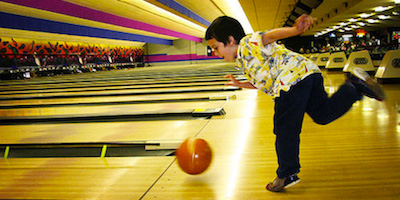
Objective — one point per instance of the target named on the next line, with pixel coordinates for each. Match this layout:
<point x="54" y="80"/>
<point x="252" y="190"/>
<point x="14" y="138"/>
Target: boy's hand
<point x="300" y="26"/>
<point x="236" y="83"/>
<point x="303" y="23"/>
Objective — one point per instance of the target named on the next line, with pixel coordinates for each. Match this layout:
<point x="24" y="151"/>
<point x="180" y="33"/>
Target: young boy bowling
<point x="294" y="81"/>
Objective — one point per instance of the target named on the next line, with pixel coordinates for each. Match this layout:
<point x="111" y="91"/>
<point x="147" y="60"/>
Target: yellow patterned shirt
<point x="272" y="68"/>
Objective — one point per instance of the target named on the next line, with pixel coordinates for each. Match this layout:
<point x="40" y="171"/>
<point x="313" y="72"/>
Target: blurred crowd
<point x="374" y="46"/>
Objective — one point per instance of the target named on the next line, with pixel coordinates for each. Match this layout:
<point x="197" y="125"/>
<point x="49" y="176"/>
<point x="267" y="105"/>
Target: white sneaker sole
<point x="292" y="183"/>
<point x="373" y="85"/>
<point x="360" y="73"/>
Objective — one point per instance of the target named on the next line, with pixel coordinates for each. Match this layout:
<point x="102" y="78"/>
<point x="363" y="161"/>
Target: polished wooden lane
<point x="111" y="113"/>
<point x="73" y="172"/>
<point x="98" y="132"/>
<point x="110" y="109"/>
<point x="179" y="72"/>
<point x="355" y="157"/>
<point x="79" y="178"/>
<point x="139" y="131"/>
<point x="109" y="88"/>
<point x="109" y="83"/>
<point x="126" y="92"/>
<point x="107" y="110"/>
<point x="157" y="98"/>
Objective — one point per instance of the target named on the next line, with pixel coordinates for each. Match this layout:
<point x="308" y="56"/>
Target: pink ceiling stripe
<point x="66" y="8"/>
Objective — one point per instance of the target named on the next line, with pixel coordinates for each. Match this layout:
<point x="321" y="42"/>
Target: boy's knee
<point x="322" y="121"/>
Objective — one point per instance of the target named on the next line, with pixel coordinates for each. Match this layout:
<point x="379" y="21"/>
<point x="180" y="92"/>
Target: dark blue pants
<point x="308" y="96"/>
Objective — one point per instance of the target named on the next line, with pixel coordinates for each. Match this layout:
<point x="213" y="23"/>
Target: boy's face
<point x="227" y="52"/>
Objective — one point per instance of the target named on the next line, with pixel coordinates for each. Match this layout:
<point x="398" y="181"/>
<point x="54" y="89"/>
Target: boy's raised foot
<point x="367" y="86"/>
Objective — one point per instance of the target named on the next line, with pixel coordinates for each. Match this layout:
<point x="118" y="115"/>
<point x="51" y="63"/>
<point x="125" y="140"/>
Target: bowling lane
<point x="204" y="96"/>
<point x="111" y="84"/>
<point x="243" y="155"/>
<point x="116" y="85"/>
<point x="138" y="131"/>
<point x="155" y="98"/>
<point x="107" y="178"/>
<point x="142" y="91"/>
<point x="244" y="162"/>
<point x="109" y="109"/>
<point x="79" y="178"/>
<point x="163" y="72"/>
<point x="109" y="88"/>
<point x="89" y="82"/>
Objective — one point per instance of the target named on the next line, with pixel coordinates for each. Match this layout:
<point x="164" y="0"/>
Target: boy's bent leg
<point x="307" y="96"/>
<point x="323" y="109"/>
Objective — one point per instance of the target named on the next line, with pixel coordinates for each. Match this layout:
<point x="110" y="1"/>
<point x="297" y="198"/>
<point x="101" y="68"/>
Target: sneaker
<point x="367" y="86"/>
<point x="281" y="183"/>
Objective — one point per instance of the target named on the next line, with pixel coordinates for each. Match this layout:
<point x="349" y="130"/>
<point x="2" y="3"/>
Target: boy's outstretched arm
<point x="300" y="26"/>
<point x="241" y="84"/>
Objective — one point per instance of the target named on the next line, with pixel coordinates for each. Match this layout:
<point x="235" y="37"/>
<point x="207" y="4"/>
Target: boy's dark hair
<point x="224" y="26"/>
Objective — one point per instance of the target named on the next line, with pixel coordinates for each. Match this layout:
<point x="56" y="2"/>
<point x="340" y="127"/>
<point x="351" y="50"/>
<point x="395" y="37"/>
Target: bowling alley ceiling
<point x="136" y="22"/>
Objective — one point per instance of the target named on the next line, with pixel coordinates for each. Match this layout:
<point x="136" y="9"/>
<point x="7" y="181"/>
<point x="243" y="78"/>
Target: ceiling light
<point x="365" y="15"/>
<point x="335" y="27"/>
<point x="372" y="21"/>
<point x="383" y="16"/>
<point x="347" y="29"/>
<point x="354" y="26"/>
<point x="343" y="24"/>
<point x="361" y="23"/>
<point x="396" y="1"/>
<point x="395" y="13"/>
<point x="381" y="8"/>
<point x="341" y="30"/>
<point x="329" y="30"/>
<point x="353" y="20"/>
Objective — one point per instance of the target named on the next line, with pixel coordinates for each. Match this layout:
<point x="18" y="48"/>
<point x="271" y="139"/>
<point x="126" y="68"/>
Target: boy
<point x="294" y="81"/>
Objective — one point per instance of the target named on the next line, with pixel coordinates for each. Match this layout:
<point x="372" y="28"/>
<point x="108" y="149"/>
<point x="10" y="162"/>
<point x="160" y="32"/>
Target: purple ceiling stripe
<point x="66" y="8"/>
<point x="185" y="11"/>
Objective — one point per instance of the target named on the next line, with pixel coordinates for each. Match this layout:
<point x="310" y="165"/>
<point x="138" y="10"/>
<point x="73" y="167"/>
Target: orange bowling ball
<point x="194" y="155"/>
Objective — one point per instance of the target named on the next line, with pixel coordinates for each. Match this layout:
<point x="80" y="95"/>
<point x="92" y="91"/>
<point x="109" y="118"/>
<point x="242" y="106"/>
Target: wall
<point x="181" y="52"/>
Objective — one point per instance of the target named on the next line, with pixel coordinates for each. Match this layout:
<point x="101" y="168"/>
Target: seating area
<point x="30" y="66"/>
